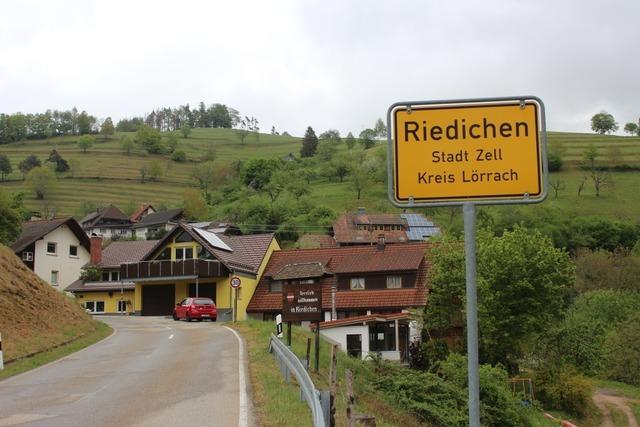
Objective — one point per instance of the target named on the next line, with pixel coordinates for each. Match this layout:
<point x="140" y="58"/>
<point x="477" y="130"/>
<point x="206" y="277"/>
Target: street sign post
<point x="467" y="152"/>
<point x="235" y="283"/>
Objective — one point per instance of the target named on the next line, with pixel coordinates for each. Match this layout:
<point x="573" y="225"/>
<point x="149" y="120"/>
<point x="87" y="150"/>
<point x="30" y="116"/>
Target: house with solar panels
<point x="195" y="262"/>
<point x="362" y="228"/>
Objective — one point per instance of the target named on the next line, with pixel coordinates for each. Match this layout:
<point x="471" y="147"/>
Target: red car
<point x="195" y="308"/>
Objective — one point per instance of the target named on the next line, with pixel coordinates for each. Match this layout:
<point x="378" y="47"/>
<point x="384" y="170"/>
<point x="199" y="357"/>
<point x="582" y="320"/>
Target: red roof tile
<point x="345" y="232"/>
<point x="121" y="252"/>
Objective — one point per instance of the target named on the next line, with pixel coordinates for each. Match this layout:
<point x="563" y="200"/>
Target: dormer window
<point x="357" y="283"/>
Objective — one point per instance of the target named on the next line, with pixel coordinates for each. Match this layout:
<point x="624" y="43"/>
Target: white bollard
<point x="279" y="326"/>
<point x="1" y="359"/>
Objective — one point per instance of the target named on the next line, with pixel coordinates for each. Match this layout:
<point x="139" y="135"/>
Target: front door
<point x="354" y="345"/>
<point x="158" y="300"/>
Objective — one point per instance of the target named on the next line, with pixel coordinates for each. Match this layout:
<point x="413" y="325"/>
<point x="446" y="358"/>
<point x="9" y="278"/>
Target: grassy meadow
<point x="105" y="174"/>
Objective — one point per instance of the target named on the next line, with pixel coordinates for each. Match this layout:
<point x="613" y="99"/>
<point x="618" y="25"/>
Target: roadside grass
<point x="22" y="365"/>
<point x="626" y="390"/>
<point x="279" y="404"/>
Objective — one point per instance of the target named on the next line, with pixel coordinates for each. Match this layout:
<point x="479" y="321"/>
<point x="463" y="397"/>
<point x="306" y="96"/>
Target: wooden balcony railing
<point x="166" y="269"/>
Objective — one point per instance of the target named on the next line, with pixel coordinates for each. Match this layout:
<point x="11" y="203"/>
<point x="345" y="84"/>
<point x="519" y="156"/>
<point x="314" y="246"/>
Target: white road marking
<point x="171" y="336"/>
<point x="242" y="417"/>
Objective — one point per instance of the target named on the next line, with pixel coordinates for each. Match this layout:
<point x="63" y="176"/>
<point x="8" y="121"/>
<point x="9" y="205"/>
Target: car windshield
<point x="203" y="301"/>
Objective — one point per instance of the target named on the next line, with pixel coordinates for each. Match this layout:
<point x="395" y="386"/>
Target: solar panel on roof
<point x="420" y="227"/>
<point x="213" y="240"/>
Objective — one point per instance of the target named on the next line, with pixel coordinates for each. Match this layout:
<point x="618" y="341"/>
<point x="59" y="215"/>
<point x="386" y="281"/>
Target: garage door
<point x="158" y="300"/>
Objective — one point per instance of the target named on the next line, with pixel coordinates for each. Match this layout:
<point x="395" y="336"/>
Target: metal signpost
<point x="467" y="152"/>
<point x="235" y="284"/>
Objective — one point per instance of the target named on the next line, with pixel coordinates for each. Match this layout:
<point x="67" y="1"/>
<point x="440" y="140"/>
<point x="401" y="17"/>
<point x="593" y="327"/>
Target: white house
<point x="56" y="250"/>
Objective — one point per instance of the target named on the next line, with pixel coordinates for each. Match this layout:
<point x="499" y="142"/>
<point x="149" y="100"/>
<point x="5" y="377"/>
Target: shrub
<point x="555" y="162"/>
<point x="563" y="387"/>
<point x="622" y="352"/>
<point x="179" y="156"/>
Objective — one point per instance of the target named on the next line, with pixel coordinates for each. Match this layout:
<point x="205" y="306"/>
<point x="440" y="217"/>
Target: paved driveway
<point x="151" y="372"/>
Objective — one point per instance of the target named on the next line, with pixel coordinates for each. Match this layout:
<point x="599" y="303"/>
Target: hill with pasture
<point x="106" y="174"/>
<point x="33" y="316"/>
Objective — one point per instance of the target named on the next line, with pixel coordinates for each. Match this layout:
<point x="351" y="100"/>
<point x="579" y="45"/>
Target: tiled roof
<point x="137" y="215"/>
<point x="351" y="259"/>
<point x="246" y="255"/>
<point x="300" y="271"/>
<point x="80" y="286"/>
<point x="120" y="252"/>
<point x="107" y="213"/>
<point x="160" y="218"/>
<point x="345" y="231"/>
<point x="364" y="319"/>
<point x="35" y="230"/>
<point x="380" y="219"/>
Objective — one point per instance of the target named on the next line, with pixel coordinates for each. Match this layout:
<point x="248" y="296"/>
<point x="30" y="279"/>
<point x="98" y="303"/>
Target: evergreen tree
<point x="309" y="143"/>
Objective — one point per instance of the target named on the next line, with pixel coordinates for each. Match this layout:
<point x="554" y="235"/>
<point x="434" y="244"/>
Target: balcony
<point x="163" y="270"/>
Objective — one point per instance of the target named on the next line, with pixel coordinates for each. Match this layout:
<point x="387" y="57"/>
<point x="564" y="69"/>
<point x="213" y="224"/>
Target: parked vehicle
<point x="195" y="308"/>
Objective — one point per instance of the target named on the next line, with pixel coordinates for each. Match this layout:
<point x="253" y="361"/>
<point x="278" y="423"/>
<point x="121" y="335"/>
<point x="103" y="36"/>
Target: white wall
<point x="68" y="267"/>
<point x="339" y="336"/>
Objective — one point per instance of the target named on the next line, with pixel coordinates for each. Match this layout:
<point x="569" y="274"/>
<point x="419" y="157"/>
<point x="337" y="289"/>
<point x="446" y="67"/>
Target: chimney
<point x="96" y="250"/>
<point x="381" y="243"/>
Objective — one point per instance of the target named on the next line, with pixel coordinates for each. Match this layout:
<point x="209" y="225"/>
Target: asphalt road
<point x="151" y="372"/>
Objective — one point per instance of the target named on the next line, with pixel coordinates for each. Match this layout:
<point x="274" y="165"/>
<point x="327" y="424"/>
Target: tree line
<point x="19" y="126"/>
<point x="169" y="119"/>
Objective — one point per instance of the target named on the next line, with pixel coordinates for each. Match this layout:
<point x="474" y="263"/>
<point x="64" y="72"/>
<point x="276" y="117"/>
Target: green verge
<point x="102" y="331"/>
<point x="279" y="404"/>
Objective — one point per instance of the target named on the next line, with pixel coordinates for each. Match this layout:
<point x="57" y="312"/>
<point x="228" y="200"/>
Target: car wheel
<point x="188" y="317"/>
<point x="175" y="317"/>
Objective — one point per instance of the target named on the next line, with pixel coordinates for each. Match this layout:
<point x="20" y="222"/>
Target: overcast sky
<point x="327" y="64"/>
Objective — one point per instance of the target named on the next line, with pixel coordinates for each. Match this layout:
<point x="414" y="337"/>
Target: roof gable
<point x="36" y="230"/>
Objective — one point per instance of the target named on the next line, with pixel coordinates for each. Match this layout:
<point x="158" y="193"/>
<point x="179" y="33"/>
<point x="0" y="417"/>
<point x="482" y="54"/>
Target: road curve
<point x="151" y="372"/>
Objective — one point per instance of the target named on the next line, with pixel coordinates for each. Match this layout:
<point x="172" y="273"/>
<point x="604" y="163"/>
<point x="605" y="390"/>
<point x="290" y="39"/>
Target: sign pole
<point x="469" y="213"/>
<point x="235" y="306"/>
<point x="317" y="345"/>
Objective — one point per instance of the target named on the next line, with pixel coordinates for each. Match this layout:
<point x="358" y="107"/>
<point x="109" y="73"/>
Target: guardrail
<point x="289" y="363"/>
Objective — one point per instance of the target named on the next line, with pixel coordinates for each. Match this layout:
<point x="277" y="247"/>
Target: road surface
<point x="151" y="372"/>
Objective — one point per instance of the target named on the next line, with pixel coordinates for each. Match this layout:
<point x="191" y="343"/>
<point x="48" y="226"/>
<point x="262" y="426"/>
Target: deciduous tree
<point x="85" y="142"/>
<point x="30" y="162"/>
<point x="107" y="129"/>
<point x="631" y="128"/>
<point x="10" y="220"/>
<point x="42" y="181"/>
<point x="5" y="166"/>
<point x="603" y="122"/>
<point x="126" y="143"/>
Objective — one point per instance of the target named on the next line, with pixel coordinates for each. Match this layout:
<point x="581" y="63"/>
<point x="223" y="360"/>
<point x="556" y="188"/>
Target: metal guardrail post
<point x="289" y="361"/>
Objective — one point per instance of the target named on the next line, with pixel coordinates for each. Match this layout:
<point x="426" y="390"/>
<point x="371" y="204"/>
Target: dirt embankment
<point x="34" y="316"/>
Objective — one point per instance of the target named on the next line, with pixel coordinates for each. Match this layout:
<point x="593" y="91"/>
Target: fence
<point x="289" y="363"/>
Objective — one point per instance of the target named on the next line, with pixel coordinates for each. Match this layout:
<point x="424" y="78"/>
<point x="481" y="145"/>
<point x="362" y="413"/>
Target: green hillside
<point x="105" y="174"/>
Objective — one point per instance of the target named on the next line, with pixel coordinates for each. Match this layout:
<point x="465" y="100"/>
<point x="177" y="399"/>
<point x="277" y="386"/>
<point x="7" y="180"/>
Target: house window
<point x="275" y="286"/>
<point x="73" y="251"/>
<point x="54" y="277"/>
<point x="52" y="248"/>
<point x="103" y="231"/>
<point x="394" y="282"/>
<point x="362" y="227"/>
<point x="184" y="253"/>
<point x="94" y="306"/>
<point x="357" y="283"/>
<point x="115" y="276"/>
<point x="122" y="306"/>
<point x="382" y="337"/>
<point x="378" y="227"/>
<point x="27" y="256"/>
<point x="303" y="282"/>
<point x="105" y="276"/>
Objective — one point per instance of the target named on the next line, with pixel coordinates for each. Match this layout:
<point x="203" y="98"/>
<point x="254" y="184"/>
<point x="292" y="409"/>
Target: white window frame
<point x="55" y="248"/>
<point x="277" y="284"/>
<point x="55" y="277"/>
<point x="394" y="282"/>
<point x="357" y="283"/>
<point x="94" y="309"/>
<point x="70" y="254"/>
<point x="27" y="256"/>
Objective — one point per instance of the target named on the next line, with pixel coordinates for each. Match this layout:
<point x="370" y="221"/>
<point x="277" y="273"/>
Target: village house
<point x="56" y="250"/>
<point x="108" y="222"/>
<point x="155" y="224"/>
<point x="373" y="287"/>
<point x="190" y="261"/>
<point x="108" y="294"/>
<point x="362" y="228"/>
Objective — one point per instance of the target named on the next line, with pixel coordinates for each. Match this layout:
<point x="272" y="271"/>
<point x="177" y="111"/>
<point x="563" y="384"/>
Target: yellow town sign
<point x="485" y="151"/>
